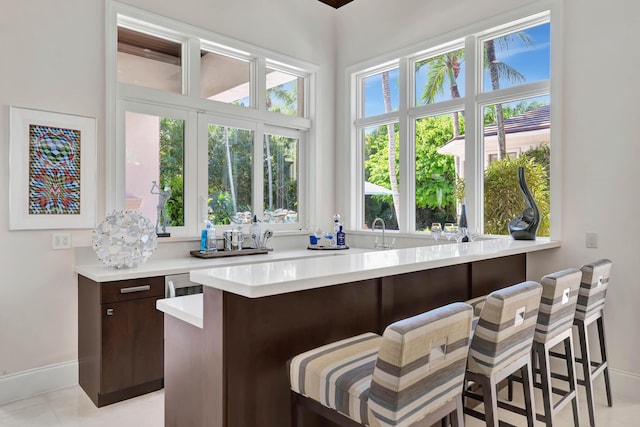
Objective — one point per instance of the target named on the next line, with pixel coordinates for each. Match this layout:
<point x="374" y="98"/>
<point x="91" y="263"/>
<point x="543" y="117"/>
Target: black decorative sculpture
<point x="525" y="225"/>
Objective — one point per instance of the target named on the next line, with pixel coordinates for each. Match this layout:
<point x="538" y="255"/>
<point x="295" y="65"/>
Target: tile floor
<point x="71" y="407"/>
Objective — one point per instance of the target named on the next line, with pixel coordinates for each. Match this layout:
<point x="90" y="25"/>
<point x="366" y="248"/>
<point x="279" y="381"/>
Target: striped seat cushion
<point x="420" y="366"/>
<point x="338" y="375"/>
<point x="558" y="304"/>
<point x="505" y="330"/>
<point x="593" y="289"/>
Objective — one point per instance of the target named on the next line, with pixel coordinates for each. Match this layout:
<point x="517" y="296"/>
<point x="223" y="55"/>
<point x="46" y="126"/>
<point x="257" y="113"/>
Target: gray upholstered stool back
<point x="505" y="329"/>
<point x="420" y="366"/>
<point x="593" y="289"/>
<point x="558" y="304"/>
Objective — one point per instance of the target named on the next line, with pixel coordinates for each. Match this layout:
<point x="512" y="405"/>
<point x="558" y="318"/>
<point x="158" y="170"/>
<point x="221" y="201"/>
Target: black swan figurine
<point x="525" y="225"/>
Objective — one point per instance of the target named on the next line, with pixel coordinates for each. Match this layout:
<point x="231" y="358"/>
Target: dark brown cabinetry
<point x="120" y="338"/>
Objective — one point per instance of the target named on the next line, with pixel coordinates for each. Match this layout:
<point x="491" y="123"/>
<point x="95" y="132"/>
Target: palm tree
<point x="446" y="67"/>
<point x="232" y="188"/>
<point x="386" y="94"/>
<point x="443" y="68"/>
<point x="497" y="70"/>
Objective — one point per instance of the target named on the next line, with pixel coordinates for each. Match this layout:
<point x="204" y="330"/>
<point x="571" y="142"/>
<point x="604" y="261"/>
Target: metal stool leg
<point x="571" y="378"/>
<point x="545" y="379"/>
<point x="586" y="369"/>
<point x="605" y="361"/>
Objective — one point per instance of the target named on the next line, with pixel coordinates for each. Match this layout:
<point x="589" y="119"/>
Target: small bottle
<point x="340" y="238"/>
<point x="212" y="244"/>
<point x="462" y="223"/>
<point x="338" y="231"/>
<point x="255" y="232"/>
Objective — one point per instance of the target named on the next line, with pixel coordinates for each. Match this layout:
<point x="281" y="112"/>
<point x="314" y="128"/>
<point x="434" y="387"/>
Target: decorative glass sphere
<point x="124" y="239"/>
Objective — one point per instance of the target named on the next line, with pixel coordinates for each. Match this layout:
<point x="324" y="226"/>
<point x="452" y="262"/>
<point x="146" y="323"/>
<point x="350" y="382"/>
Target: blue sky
<point x="530" y="61"/>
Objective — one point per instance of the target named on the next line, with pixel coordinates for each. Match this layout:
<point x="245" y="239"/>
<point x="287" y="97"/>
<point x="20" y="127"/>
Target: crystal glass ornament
<point x="124" y="239"/>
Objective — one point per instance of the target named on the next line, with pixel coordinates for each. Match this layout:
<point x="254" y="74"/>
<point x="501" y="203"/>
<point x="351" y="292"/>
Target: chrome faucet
<point x="382" y="245"/>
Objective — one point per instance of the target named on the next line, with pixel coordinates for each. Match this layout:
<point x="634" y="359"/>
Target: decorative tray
<point x="222" y="253"/>
<point x="327" y="248"/>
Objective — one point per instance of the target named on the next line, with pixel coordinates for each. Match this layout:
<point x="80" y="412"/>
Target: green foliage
<point x="241" y="154"/>
<point x="283" y="99"/>
<point x="282" y="160"/>
<point x="175" y="204"/>
<point x="435" y="172"/>
<point x="172" y="166"/>
<point x="221" y="208"/>
<point x="503" y="199"/>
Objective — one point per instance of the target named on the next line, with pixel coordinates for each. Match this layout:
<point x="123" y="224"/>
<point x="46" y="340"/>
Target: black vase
<point x="525" y="225"/>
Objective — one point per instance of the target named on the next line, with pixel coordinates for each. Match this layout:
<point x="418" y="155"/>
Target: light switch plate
<point x="60" y="241"/>
<point x="592" y="240"/>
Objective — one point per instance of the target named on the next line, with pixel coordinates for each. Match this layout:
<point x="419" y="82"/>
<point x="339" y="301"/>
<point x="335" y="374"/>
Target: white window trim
<point x="120" y="95"/>
<point x="525" y="17"/>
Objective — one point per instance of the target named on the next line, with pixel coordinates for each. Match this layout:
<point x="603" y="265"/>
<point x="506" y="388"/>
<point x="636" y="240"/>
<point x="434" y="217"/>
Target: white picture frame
<point x="52" y="164"/>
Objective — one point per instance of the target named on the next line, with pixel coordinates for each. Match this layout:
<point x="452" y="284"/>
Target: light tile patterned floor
<point x="71" y="407"/>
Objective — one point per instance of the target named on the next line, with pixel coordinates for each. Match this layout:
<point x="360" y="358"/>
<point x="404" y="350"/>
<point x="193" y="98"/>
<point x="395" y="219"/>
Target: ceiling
<point x="336" y="3"/>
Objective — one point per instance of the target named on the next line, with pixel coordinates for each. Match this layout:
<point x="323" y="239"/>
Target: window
<point x="285" y="93"/>
<point x="189" y="121"/>
<point x="280" y="177"/>
<point x="224" y="78"/>
<point x="429" y="142"/>
<point x="381" y="180"/>
<point x="149" y="61"/>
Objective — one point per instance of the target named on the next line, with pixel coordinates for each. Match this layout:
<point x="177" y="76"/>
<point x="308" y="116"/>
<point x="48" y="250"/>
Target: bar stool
<point x="414" y="372"/>
<point x="590" y="309"/>
<point x="501" y="345"/>
<point x="555" y="326"/>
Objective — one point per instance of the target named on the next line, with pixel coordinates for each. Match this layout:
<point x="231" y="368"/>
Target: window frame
<point x="473" y="103"/>
<point x="119" y="96"/>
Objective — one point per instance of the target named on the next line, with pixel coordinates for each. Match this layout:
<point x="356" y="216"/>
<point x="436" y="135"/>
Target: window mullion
<point x="473" y="167"/>
<point x="191" y="68"/>
<point x="406" y="152"/>
<point x="191" y="174"/>
<point x="202" y="168"/>
<point x="258" y="170"/>
<point x="259" y="75"/>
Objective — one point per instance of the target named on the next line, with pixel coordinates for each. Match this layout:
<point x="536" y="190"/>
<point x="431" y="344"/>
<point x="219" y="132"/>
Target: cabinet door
<point x="147" y="341"/>
<point x="117" y="352"/>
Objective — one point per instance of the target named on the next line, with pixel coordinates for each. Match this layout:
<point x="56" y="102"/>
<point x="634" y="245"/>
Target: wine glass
<point x="449" y="230"/>
<point x="436" y="230"/>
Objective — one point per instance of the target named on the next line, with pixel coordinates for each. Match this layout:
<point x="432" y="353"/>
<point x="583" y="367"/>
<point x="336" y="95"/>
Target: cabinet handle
<point x="109" y="311"/>
<point x="135" y="289"/>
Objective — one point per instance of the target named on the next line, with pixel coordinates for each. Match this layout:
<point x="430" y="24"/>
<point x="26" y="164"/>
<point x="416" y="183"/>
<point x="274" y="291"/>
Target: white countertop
<point x="291" y="274"/>
<point x="272" y="278"/>
<point x="187" y="308"/>
<point x="99" y="272"/>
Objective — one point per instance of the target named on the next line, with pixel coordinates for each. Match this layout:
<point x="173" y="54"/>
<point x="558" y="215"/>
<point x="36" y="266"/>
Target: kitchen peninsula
<point x="226" y="350"/>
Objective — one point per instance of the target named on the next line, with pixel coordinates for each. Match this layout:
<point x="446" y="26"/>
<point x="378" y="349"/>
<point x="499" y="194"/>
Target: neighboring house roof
<point x="532" y="125"/>
<point x="537" y="119"/>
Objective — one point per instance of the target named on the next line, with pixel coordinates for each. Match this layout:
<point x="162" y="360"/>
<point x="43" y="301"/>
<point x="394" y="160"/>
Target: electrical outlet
<point x="60" y="241"/>
<point x="592" y="240"/>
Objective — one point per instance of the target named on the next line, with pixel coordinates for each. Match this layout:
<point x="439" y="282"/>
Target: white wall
<point x="54" y="59"/>
<point x="600" y="110"/>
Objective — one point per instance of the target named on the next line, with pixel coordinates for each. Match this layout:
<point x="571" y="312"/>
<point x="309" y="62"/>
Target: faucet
<point x="373" y="228"/>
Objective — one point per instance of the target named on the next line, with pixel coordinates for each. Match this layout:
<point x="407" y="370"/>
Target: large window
<point x="190" y="122"/>
<point x="461" y="134"/>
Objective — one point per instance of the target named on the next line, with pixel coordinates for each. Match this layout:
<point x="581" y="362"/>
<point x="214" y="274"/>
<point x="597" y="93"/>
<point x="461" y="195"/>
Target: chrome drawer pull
<point x="135" y="289"/>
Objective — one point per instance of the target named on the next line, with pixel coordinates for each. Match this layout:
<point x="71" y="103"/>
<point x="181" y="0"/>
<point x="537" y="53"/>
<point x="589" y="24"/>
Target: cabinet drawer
<point x="125" y="290"/>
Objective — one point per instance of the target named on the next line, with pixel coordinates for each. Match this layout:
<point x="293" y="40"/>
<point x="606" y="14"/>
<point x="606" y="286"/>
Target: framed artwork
<point x="53" y="180"/>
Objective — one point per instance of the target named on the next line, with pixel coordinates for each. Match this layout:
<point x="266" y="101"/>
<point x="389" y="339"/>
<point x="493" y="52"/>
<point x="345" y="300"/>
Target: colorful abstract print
<point x="54" y="171"/>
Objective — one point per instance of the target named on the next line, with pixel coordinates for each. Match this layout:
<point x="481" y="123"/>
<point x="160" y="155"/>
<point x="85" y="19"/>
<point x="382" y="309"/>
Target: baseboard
<point x="36" y="381"/>
<point x="625" y="384"/>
